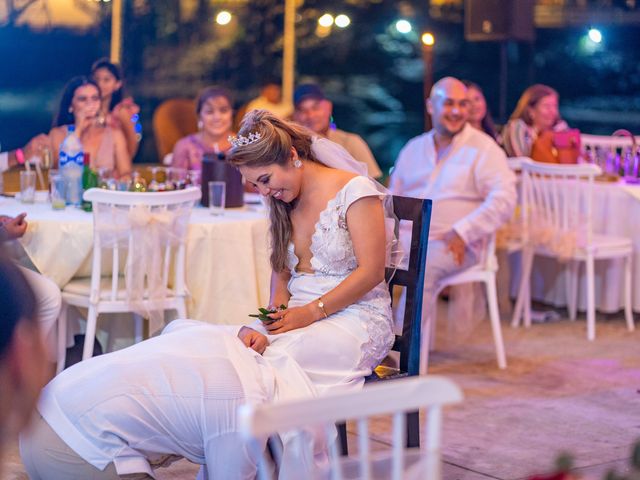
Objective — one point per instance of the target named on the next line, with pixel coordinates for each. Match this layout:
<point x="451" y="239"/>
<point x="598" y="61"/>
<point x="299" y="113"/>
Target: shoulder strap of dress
<point x="360" y="187"/>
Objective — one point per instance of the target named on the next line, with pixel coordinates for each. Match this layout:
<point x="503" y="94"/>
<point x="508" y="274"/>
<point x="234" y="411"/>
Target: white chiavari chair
<point x="308" y="419"/>
<point x="558" y="222"/>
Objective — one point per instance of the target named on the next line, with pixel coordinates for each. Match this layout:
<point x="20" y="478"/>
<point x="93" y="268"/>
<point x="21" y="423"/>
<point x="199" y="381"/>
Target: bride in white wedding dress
<point x="328" y="252"/>
<point x="131" y="411"/>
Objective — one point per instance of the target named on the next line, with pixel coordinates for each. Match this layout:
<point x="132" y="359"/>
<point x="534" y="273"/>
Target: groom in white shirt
<point x="465" y="173"/>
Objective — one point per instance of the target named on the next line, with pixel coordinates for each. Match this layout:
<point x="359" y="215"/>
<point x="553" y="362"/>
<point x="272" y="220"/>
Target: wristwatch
<point x="321" y="307"/>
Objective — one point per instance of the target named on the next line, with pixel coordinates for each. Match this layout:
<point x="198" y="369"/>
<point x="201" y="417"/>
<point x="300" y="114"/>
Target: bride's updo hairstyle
<point x="276" y="137"/>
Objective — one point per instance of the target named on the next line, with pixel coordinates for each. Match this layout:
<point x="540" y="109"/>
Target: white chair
<point x="483" y="272"/>
<point x="151" y="229"/>
<point x="614" y="143"/>
<point x="259" y="422"/>
<point x="557" y="222"/>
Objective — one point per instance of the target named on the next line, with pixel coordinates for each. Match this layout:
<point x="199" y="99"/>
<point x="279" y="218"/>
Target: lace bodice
<point x="331" y="246"/>
<point x="333" y="259"/>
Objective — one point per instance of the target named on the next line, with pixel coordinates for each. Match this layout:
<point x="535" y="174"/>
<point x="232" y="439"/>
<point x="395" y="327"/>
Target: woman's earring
<point x="297" y="163"/>
<point x="70" y="109"/>
<point x="200" y="124"/>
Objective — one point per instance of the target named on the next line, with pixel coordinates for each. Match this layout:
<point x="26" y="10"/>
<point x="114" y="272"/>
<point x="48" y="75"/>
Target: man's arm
<point x="12" y="228"/>
<point x="497" y="184"/>
<point x="19" y="156"/>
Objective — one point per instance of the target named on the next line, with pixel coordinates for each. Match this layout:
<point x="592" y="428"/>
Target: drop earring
<point x="200" y="124"/>
<point x="297" y="163"/>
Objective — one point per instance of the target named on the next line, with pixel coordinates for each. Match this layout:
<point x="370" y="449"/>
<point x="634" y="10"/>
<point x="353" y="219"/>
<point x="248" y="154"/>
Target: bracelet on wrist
<point x="320" y="304"/>
<point x="19" y="156"/>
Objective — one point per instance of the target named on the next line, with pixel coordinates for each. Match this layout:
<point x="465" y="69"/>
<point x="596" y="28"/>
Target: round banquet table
<point x="616" y="211"/>
<point x="227" y="258"/>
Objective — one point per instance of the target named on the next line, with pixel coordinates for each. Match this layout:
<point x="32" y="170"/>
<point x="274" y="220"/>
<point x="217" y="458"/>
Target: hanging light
<point x="223" y="17"/>
<point x="325" y="20"/>
<point x="342" y="21"/>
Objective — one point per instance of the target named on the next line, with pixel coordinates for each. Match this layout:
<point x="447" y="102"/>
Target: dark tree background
<point x="372" y="73"/>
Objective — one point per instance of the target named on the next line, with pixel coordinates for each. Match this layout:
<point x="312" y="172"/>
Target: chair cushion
<point x="606" y="243"/>
<point x="603" y="246"/>
<point x="82" y="287"/>
<point x="383" y="372"/>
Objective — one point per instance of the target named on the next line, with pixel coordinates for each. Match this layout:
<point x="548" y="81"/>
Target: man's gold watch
<point x="321" y="307"/>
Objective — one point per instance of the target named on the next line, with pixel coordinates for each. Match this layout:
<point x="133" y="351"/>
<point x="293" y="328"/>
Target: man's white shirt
<point x="471" y="186"/>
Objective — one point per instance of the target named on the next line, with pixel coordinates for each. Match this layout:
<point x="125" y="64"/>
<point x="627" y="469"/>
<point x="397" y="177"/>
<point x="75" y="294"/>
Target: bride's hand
<point x="252" y="339"/>
<point x="291" y="318"/>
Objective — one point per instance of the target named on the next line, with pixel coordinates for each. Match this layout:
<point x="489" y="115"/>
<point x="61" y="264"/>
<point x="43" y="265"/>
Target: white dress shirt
<point x="472" y="188"/>
<point x="137" y="405"/>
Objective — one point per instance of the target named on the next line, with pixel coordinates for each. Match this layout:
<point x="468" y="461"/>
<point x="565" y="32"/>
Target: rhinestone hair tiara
<point x="241" y="140"/>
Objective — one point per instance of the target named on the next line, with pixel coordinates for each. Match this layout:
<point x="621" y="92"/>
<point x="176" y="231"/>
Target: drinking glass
<point x="57" y="190"/>
<point x="217" y="197"/>
<point x="193" y="178"/>
<point x="27" y="186"/>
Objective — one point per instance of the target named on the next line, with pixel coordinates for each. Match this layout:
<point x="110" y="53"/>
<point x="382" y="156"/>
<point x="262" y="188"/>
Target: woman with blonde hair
<point x="535" y="113"/>
<point x="328" y="254"/>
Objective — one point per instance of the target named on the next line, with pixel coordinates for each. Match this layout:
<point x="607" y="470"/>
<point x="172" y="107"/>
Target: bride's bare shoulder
<point x="341" y="177"/>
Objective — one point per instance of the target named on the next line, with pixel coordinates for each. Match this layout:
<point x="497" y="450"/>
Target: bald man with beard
<point x="466" y="175"/>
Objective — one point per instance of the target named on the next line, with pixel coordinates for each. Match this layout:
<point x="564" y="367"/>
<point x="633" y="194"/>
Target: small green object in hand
<point x="263" y="315"/>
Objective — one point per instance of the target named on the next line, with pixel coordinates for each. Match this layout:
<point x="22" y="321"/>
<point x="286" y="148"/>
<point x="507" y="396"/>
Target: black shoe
<point x="74" y="354"/>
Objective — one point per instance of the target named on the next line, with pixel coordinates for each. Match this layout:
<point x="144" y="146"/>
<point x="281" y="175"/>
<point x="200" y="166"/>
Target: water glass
<point x="217" y="197"/>
<point x="194" y="177"/>
<point x="27" y="186"/>
<point x="57" y="186"/>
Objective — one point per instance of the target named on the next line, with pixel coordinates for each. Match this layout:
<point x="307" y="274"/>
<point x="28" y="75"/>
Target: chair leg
<point x="138" y="327"/>
<point x="521" y="302"/>
<point x="429" y="309"/>
<point x="433" y="319"/>
<point x="62" y="337"/>
<point x="591" y="300"/>
<point x="342" y="435"/>
<point x="527" y="310"/>
<point x="90" y="335"/>
<point x="494" y="315"/>
<point x="181" y="308"/>
<point x="628" y="312"/>
<point x="413" y="429"/>
<point x="572" y="288"/>
<point x="425" y="342"/>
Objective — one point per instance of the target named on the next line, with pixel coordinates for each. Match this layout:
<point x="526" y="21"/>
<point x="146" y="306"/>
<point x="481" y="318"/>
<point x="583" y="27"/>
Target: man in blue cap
<point x="313" y="110"/>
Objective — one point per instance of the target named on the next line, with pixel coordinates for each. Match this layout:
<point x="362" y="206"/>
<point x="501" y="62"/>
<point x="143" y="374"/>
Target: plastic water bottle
<point x="71" y="162"/>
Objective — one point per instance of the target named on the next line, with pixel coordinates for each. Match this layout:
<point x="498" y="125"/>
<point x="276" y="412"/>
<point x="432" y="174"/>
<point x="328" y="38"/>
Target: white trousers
<point x="49" y="299"/>
<point x="440" y="264"/>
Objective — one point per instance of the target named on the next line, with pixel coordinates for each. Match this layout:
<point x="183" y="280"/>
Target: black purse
<point x="216" y="168"/>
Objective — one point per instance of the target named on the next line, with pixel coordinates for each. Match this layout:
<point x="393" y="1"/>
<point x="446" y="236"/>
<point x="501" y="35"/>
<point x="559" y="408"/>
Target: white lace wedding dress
<point x="337" y="352"/>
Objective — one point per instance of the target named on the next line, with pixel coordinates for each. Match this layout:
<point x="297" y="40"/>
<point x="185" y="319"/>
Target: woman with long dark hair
<point x="80" y="107"/>
<point x="479" y="115"/>
<point x="116" y="110"/>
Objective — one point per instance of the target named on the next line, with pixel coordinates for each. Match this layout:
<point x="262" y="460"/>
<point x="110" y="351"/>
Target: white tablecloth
<point x="616" y="211"/>
<point x="227" y="264"/>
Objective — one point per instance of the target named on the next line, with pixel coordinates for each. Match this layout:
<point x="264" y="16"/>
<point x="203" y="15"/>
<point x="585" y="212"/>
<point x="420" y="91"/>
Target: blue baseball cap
<point x="307" y="91"/>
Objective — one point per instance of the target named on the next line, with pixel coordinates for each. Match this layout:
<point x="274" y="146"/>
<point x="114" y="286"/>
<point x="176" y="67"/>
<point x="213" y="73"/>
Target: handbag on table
<point x="557" y="147"/>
